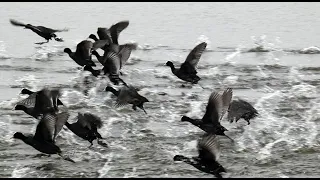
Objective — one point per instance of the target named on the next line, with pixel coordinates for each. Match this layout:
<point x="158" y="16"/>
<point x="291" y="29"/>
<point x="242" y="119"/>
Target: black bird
<point x="241" y="109"/>
<point x="123" y="54"/>
<point x="33" y="106"/>
<point x="47" y="129"/>
<point x="112" y="36"/>
<point x="215" y="110"/>
<point x="111" y="65"/>
<point x="187" y="70"/>
<point x="46" y="33"/>
<point x="128" y="95"/>
<point x="87" y="127"/>
<point x="207" y="160"/>
<point x="83" y="54"/>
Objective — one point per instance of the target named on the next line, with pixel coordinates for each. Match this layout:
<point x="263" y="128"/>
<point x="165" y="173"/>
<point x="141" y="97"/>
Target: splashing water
<point x="106" y="168"/>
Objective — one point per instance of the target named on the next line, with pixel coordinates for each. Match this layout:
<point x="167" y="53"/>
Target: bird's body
<point x="208" y="155"/>
<point x="215" y="110"/>
<point x="39" y="144"/>
<point x="187" y="70"/>
<point x="241" y="109"/>
<point x="86" y="127"/>
<point x="83" y="54"/>
<point x="128" y="95"/>
<point x="46" y="33"/>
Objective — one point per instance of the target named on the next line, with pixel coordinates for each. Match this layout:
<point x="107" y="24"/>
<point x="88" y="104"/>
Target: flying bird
<point x="46" y="33"/>
<point x="208" y="156"/>
<point x="187" y="70"/>
<point x="215" y="110"/>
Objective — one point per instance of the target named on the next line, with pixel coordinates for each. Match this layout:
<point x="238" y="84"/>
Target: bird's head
<point x="18" y="135"/>
<point x="169" y="63"/>
<point x="67" y="50"/>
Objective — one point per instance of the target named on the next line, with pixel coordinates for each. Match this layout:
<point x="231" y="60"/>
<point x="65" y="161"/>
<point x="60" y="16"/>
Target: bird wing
<point x="99" y="44"/>
<point x="16" y="23"/>
<point x="94" y="120"/>
<point x="127" y="95"/>
<point x="84" y="50"/>
<point x="104" y="34"/>
<point x="213" y="108"/>
<point x="125" y="51"/>
<point x="209" y="147"/>
<point x="46" y="127"/>
<point x="194" y="56"/>
<point x="226" y="100"/>
<point x="83" y="121"/>
<point x="112" y="61"/>
<point x="29" y="102"/>
<point x="45" y="100"/>
<point x="116" y="29"/>
<point x="49" y="30"/>
<point x="61" y="119"/>
<point x="239" y="108"/>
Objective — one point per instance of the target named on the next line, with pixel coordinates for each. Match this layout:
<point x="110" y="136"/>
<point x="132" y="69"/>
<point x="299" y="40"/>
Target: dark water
<point x="266" y="52"/>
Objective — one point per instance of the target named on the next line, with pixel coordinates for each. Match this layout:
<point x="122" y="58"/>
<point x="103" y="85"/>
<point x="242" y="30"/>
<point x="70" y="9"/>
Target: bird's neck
<point x="25" y="139"/>
<point x="196" y="122"/>
<point x="96" y="54"/>
<point x="68" y="125"/>
<point x="115" y="92"/>
<point x="185" y="159"/>
<point x="173" y="69"/>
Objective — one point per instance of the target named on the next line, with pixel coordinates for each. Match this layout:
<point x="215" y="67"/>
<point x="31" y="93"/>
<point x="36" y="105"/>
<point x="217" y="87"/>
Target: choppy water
<point x="281" y="80"/>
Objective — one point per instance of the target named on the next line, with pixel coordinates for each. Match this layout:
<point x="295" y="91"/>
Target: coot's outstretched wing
<point x="209" y="148"/>
<point x="192" y="60"/>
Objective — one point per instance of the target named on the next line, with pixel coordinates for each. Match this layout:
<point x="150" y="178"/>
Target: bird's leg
<point x="40" y="43"/>
<point x="41" y="155"/>
<point x="100" y="142"/>
<point x="248" y="122"/>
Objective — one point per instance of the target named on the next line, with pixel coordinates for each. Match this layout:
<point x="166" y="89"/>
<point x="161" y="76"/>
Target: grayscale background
<point x="281" y="81"/>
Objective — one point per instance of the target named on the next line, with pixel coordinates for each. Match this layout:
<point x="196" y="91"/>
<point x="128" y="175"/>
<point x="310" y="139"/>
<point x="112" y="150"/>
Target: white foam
<point x="106" y="168"/>
<point x="29" y="81"/>
<point x="19" y="171"/>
